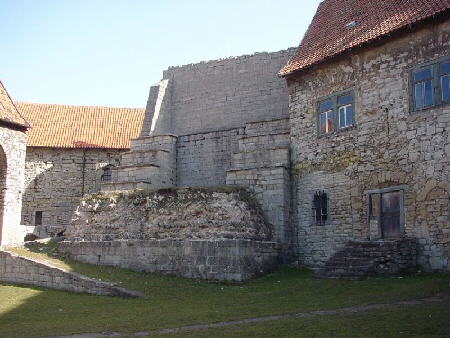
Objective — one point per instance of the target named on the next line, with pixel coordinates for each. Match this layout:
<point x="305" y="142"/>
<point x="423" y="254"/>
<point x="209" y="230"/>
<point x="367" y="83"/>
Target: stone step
<point x="362" y="259"/>
<point x="149" y="157"/>
<point x="163" y="143"/>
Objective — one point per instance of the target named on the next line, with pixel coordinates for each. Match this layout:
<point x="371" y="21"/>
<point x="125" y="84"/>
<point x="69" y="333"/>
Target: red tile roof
<point x="63" y="126"/>
<point x="328" y="36"/>
<point x="8" y="110"/>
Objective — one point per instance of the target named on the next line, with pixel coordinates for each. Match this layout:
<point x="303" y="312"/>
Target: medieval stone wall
<point x="388" y="146"/>
<point x="12" y="168"/>
<point x="224" y="259"/>
<point x="219" y="94"/>
<point x="56" y="179"/>
<point x="22" y="270"/>
<point x="203" y="159"/>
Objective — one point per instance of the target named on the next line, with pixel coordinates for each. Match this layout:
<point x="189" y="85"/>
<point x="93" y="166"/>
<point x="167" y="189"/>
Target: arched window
<point x="320" y="207"/>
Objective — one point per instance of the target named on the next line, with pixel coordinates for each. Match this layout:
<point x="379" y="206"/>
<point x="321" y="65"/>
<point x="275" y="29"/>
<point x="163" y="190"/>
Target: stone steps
<point x="360" y="259"/>
<point x="150" y="156"/>
<point x="150" y="164"/>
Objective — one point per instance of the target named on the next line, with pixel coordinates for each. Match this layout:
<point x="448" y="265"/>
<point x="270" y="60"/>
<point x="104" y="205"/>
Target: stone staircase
<point x="150" y="164"/>
<point x="361" y="259"/>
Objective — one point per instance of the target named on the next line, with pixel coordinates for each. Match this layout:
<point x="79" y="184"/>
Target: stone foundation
<point x="230" y="260"/>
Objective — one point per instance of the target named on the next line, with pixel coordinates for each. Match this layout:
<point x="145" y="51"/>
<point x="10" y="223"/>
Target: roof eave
<point x="441" y="16"/>
<point x="14" y="125"/>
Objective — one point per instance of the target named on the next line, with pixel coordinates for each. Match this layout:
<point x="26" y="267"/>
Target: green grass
<point x="420" y="321"/>
<point x="173" y="302"/>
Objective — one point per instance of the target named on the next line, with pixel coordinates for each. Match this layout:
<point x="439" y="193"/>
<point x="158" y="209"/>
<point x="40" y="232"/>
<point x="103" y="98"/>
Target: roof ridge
<point x="74" y="105"/>
<point x="330" y="35"/>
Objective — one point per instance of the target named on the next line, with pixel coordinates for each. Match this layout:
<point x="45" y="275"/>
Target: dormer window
<point x="350" y="24"/>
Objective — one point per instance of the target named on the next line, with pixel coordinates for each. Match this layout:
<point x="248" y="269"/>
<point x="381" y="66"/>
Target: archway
<point x="2" y="188"/>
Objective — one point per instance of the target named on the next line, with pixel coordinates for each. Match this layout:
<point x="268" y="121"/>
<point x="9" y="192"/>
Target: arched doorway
<point x="2" y="188"/>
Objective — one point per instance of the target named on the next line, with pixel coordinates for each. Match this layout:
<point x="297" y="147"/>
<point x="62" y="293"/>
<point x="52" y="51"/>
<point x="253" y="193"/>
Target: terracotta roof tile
<point x="8" y="110"/>
<point x="328" y="36"/>
<point x="63" y="126"/>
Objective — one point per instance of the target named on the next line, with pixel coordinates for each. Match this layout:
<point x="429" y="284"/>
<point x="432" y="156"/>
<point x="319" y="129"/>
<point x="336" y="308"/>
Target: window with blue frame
<point x="430" y="84"/>
<point x="335" y="113"/>
<point x="444" y="73"/>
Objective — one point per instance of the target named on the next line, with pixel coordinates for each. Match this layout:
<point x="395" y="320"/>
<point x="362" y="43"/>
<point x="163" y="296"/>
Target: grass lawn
<point x="418" y="321"/>
<point x="173" y="302"/>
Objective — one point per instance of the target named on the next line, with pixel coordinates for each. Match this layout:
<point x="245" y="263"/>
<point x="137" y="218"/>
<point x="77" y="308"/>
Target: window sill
<point x="436" y="106"/>
<point x="337" y="132"/>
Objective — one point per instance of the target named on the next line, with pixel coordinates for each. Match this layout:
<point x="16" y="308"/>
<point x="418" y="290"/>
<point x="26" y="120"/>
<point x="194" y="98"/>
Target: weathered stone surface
<point x="56" y="179"/>
<point x="169" y="213"/>
<point x="12" y="173"/>
<point x="387" y="146"/>
<point x="218" y="95"/>
<point x="227" y="259"/>
<point x="360" y="259"/>
<point x="21" y="270"/>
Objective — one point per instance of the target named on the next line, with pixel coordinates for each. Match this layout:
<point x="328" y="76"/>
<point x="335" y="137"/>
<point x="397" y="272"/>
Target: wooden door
<point x="390" y="214"/>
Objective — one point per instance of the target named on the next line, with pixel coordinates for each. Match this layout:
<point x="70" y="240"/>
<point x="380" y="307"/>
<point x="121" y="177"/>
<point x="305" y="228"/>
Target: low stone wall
<point x="21" y="270"/>
<point x="231" y="260"/>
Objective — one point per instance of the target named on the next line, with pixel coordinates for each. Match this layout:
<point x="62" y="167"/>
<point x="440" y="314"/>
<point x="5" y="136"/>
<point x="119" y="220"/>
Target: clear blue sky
<point x="109" y="52"/>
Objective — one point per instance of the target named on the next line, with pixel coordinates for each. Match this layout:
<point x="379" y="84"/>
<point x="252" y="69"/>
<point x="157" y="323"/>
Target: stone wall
<point x="262" y="164"/>
<point x="21" y="270"/>
<point x="388" y="146"/>
<point x="150" y="163"/>
<point x="12" y="173"/>
<point x="56" y="179"/>
<point x="231" y="260"/>
<point x="203" y="159"/>
<point x="217" y="95"/>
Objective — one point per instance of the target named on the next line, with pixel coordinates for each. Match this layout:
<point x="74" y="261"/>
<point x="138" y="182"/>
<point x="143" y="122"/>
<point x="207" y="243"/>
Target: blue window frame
<point x="335" y="113"/>
<point x="430" y="84"/>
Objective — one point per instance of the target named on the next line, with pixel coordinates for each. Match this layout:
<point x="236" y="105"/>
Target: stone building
<point x="370" y="128"/>
<point x="12" y="168"/>
<point x="70" y="151"/>
<point x="358" y="152"/>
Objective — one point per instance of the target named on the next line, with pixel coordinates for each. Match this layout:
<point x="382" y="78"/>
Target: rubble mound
<point x="182" y="213"/>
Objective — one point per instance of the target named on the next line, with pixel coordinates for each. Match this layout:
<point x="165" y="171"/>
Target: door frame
<point x="401" y="189"/>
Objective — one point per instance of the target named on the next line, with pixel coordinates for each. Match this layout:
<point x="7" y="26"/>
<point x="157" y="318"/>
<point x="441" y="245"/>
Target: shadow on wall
<point x="55" y="185"/>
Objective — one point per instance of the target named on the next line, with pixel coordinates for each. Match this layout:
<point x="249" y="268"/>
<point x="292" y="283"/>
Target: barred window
<point x="107" y="173"/>
<point x="320" y="207"/>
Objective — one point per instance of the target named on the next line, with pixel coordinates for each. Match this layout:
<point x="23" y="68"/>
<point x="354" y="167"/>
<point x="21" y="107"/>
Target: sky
<point x="109" y="52"/>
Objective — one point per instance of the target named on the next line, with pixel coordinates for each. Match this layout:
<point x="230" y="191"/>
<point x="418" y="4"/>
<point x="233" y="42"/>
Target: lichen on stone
<point x="194" y="213"/>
